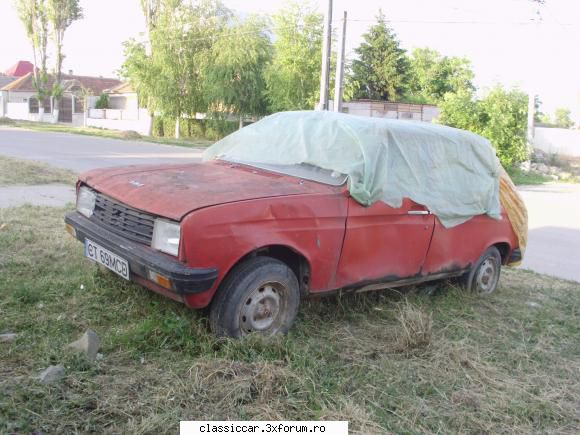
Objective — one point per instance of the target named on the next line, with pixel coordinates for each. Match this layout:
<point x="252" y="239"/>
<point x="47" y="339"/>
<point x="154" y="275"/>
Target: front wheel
<point x="261" y="295"/>
<point x="484" y="276"/>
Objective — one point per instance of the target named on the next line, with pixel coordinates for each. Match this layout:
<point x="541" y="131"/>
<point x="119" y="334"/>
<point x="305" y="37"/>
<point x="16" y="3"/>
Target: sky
<point x="504" y="39"/>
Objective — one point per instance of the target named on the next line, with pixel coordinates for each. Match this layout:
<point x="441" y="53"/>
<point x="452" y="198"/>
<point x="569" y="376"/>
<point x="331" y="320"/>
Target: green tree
<point x="506" y="120"/>
<point x="539" y="116"/>
<point x="381" y="71"/>
<point x="61" y="14"/>
<point x="33" y="15"/>
<point x="293" y="77"/>
<point x="235" y="73"/>
<point x="434" y="75"/>
<point x="562" y="118"/>
<point x="151" y="10"/>
<point x="170" y="78"/>
<point x="501" y="117"/>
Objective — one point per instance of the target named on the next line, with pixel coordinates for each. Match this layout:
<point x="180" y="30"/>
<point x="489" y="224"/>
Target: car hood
<point x="172" y="191"/>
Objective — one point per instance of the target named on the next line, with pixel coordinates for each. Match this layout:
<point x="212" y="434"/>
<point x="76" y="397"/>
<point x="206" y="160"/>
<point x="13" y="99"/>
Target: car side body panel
<point x="311" y="225"/>
<point x="384" y="242"/>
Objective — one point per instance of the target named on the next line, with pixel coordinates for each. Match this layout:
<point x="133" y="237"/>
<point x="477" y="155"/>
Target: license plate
<point x="105" y="257"/>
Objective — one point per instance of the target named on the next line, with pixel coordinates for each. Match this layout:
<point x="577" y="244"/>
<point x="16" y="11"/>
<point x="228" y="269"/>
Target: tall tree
<point x="151" y="10"/>
<point x="235" y="71"/>
<point x="61" y="14"/>
<point x="171" y="77"/>
<point x="434" y="75"/>
<point x="293" y="77"/>
<point x="381" y="71"/>
<point x="33" y="15"/>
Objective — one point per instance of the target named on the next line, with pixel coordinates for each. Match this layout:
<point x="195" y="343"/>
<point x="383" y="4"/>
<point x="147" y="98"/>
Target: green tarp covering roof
<point x="454" y="173"/>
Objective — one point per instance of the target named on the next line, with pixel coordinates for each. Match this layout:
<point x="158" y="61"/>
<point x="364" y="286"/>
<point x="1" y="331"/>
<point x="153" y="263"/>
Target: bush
<point x="501" y="116"/>
<point x="102" y="102"/>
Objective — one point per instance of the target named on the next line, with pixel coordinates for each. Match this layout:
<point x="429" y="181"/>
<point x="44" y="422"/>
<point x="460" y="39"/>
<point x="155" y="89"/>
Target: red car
<point x="251" y="242"/>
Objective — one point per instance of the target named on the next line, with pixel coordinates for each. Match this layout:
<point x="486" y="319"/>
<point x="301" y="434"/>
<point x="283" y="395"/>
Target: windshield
<point x="302" y="170"/>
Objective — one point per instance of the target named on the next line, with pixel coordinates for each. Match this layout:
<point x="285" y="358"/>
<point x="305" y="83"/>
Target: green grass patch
<point x="385" y="361"/>
<point x="520" y="177"/>
<point x="18" y="171"/>
<point x="111" y="134"/>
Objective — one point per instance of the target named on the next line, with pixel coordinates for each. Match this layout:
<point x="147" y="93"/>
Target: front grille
<point x="125" y="221"/>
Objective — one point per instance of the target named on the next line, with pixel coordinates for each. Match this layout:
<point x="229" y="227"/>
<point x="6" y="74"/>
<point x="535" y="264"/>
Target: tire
<point x="484" y="276"/>
<point x="261" y="295"/>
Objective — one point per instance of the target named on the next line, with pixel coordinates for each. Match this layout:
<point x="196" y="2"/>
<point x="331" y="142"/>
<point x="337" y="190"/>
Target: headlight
<point x="86" y="201"/>
<point x="166" y="236"/>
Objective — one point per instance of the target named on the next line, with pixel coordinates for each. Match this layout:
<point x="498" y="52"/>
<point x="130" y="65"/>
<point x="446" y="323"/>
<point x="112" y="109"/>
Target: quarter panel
<point x="461" y="246"/>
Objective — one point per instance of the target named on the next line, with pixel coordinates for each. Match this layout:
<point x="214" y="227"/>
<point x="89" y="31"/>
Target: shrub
<point x="501" y="116"/>
<point x="102" y="102"/>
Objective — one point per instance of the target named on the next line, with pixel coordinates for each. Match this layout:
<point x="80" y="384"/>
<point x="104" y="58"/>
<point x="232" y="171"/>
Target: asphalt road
<point x="80" y="153"/>
<point x="554" y="229"/>
<point x="554" y="210"/>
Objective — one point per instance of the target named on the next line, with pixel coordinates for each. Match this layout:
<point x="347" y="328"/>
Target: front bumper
<point x="184" y="280"/>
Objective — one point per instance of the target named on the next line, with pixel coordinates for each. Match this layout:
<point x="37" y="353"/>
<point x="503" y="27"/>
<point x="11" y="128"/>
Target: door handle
<point x="418" y="212"/>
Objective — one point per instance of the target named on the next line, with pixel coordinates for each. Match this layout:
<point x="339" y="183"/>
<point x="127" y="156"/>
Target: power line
<point x="277" y="28"/>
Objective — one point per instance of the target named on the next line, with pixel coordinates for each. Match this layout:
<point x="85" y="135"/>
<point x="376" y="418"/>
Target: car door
<point x="383" y="242"/>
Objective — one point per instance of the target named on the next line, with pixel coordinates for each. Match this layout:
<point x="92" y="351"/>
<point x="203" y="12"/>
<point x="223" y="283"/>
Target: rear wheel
<point x="261" y="295"/>
<point x="484" y="276"/>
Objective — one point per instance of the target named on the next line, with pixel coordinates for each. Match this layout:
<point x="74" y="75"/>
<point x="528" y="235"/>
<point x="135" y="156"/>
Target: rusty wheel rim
<point x="487" y="275"/>
<point x="263" y="308"/>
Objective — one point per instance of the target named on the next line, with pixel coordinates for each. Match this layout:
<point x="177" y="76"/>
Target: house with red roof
<point x="20" y="68"/>
<point x="18" y="98"/>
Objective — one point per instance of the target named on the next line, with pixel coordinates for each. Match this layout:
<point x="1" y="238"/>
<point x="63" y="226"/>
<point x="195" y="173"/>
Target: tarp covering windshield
<point x="454" y="173"/>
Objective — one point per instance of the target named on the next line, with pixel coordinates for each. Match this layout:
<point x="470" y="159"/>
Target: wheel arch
<point x="504" y="249"/>
<point x="294" y="259"/>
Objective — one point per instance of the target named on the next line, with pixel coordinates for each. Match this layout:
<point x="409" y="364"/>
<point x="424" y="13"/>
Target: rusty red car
<point x="251" y="241"/>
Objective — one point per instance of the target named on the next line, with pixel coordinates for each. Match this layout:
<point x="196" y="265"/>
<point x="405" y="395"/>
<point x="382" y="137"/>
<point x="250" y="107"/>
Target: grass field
<point x="387" y="362"/>
<point x="18" y="171"/>
<point x="101" y="132"/>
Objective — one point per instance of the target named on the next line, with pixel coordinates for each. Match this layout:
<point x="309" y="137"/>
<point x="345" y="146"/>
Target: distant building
<point x="18" y="98"/>
<point x="387" y="109"/>
<point x="122" y="112"/>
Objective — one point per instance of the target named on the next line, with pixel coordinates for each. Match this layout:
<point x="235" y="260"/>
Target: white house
<point x="122" y="112"/>
<point x="19" y="100"/>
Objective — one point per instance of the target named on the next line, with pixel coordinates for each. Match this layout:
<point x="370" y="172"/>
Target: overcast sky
<point x="500" y="37"/>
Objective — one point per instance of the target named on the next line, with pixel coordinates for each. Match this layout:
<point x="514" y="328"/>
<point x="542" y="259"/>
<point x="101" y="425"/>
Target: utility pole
<point x="338" y="85"/>
<point x="531" y="92"/>
<point x="326" y="46"/>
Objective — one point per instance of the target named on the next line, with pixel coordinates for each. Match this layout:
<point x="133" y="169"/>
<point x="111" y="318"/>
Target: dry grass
<point x="416" y="327"/>
<point x="18" y="171"/>
<point x="387" y="362"/>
